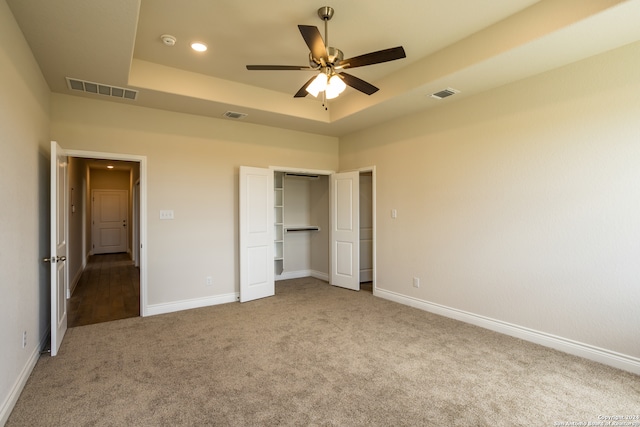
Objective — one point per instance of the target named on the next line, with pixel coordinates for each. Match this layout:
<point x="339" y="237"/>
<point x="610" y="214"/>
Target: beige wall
<point x="521" y="204"/>
<point x="77" y="180"/>
<point x="320" y="217"/>
<point x="297" y="211"/>
<point x="193" y="165"/>
<point x="24" y="214"/>
<point x="100" y="179"/>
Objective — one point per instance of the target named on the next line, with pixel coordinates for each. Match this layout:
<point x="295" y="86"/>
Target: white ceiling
<point x="471" y="46"/>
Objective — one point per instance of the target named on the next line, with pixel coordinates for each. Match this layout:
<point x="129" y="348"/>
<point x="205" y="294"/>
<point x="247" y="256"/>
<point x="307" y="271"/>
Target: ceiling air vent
<point x="234" y="115"/>
<point x="444" y="93"/>
<point x="101" y="89"/>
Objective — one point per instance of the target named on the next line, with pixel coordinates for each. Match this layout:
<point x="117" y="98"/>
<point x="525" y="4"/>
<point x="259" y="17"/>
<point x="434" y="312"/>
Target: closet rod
<point x="309" y="228"/>
<point x="302" y="175"/>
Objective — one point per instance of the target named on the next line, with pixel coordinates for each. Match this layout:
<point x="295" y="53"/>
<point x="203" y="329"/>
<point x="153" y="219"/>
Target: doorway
<point x="69" y="224"/>
<point x="105" y="283"/>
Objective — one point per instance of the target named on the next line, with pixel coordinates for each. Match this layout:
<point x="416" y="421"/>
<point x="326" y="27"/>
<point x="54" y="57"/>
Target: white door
<point x="109" y="220"/>
<point x="58" y="246"/>
<point x="345" y="230"/>
<point x="256" y="233"/>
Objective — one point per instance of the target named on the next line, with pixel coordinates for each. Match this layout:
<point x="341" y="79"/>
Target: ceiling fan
<point x="330" y="63"/>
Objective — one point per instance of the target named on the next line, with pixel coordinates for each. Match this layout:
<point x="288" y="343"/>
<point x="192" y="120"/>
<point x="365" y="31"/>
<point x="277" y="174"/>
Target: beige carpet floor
<point x="314" y="355"/>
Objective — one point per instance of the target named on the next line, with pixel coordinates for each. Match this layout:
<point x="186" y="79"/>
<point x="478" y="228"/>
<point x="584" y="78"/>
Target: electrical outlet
<point x="416" y="282"/>
<point x="209" y="281"/>
<point x="24" y="339"/>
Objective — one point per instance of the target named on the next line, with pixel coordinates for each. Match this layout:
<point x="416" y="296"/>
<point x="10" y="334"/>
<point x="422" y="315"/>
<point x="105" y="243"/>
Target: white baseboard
<point x="16" y="389"/>
<point x="170" y="307"/>
<point x="320" y="275"/>
<point x="75" y="280"/>
<point x="601" y="355"/>
<point x="302" y="273"/>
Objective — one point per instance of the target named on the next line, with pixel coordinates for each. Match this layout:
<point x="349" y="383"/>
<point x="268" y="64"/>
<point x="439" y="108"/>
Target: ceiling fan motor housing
<point x="334" y="56"/>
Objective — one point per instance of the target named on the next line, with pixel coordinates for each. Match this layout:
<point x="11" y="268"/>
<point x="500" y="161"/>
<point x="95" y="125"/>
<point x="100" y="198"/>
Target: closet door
<point x="256" y="233"/>
<point x="345" y="230"/>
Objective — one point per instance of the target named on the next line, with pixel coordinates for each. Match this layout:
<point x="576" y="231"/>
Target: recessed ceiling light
<point x="197" y="46"/>
<point x="109" y="166"/>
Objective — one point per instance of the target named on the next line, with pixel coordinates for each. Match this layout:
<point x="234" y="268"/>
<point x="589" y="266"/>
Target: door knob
<point x="48" y="259"/>
<point x="61" y="258"/>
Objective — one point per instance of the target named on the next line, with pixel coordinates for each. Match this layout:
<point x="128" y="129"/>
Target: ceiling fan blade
<point x="278" y="67"/>
<point x="358" y="84"/>
<point x="312" y="37"/>
<point x="378" y="57"/>
<point x="303" y="90"/>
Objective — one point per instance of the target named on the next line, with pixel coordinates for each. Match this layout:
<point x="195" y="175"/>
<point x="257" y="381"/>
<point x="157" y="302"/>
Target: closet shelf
<point x="301" y="228"/>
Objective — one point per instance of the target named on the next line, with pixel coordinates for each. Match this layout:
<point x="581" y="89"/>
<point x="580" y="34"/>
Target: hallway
<point x="109" y="289"/>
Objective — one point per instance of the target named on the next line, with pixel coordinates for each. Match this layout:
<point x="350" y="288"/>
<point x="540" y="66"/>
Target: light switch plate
<point x="166" y="214"/>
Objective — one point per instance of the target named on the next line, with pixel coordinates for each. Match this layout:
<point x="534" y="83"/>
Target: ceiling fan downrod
<point x="326" y="13"/>
<point x="333" y="55"/>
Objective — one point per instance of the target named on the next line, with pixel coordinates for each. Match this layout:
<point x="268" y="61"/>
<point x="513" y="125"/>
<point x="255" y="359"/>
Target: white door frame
<point x="135" y="232"/>
<point x="372" y="169"/>
<point x="142" y="160"/>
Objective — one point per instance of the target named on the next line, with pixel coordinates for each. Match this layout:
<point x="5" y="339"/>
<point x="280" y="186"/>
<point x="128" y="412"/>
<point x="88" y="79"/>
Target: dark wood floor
<point x="366" y="286"/>
<point x="109" y="289"/>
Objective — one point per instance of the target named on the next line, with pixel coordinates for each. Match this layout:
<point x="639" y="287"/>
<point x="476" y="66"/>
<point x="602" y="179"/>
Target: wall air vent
<point x="234" y="115"/>
<point x="101" y="89"/>
<point x="444" y="93"/>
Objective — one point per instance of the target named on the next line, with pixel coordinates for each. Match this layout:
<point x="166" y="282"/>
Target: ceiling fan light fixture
<point x="318" y="85"/>
<point x="335" y="87"/>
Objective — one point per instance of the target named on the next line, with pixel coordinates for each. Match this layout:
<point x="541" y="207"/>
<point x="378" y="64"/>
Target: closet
<point x="297" y="223"/>
<point x="301" y="212"/>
